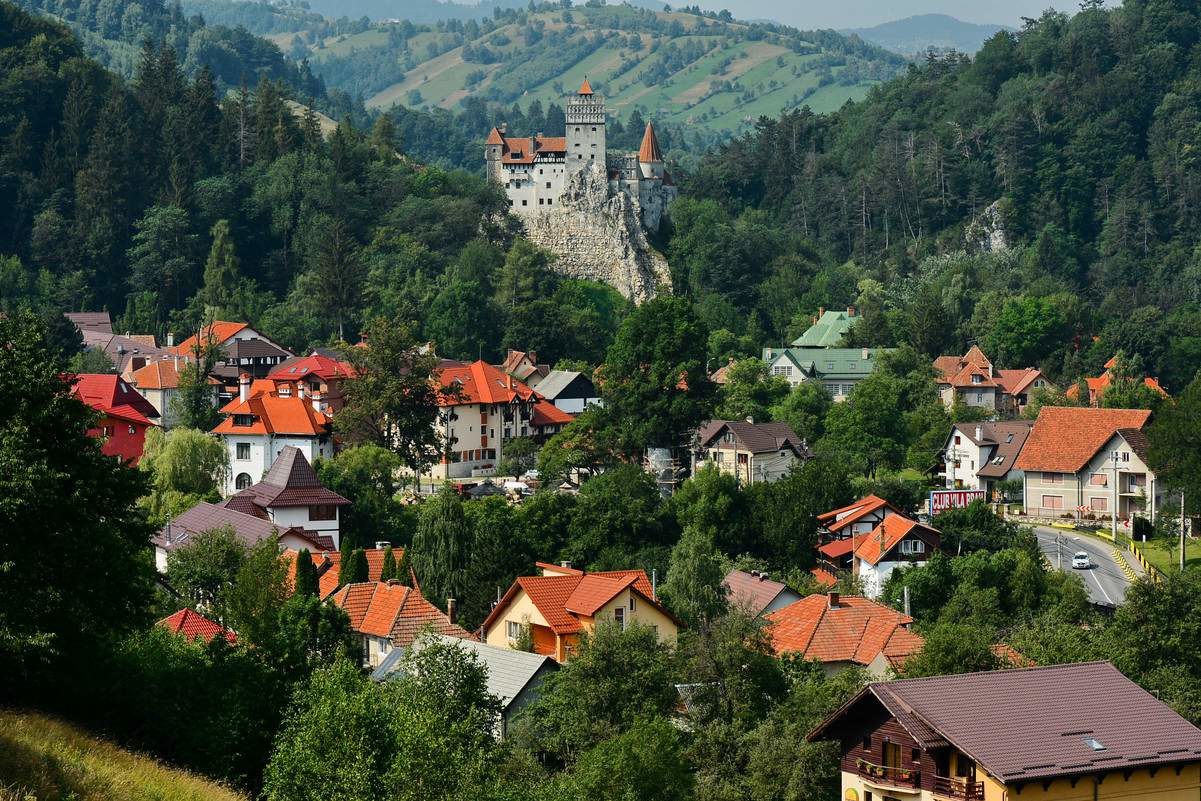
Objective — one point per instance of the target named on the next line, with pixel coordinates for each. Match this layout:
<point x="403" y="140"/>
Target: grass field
<point x="43" y="759"/>
<point x="1165" y="555"/>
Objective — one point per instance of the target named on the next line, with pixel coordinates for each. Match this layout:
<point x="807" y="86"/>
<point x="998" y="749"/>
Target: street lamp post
<point x="1113" y="517"/>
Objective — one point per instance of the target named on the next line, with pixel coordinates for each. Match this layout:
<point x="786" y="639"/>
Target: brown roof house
<point x="978" y="455"/>
<point x="757" y="594"/>
<point x="291" y="496"/>
<point x="1086" y="463"/>
<point x="1057" y="733"/>
<point x="752" y="452"/>
<point x="971" y="379"/>
<point x="248" y="528"/>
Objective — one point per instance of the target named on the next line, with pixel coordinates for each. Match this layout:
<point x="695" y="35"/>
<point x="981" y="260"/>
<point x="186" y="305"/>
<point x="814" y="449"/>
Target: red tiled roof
<point x="864" y="506"/>
<point x="113" y="396"/>
<point x="824" y="577"/>
<point x="546" y="414"/>
<point x="649" y="150"/>
<point x="194" y="625"/>
<point x="594" y="591"/>
<point x="275" y="415"/>
<point x="494" y="137"/>
<point x="1015" y="382"/>
<point x="355" y="599"/>
<point x="480" y="382"/>
<point x="1064" y="438"/>
<point x="323" y="367"/>
<point x="525" y="149"/>
<point x="857" y="630"/>
<point x="328" y="580"/>
<point x="837" y="548"/>
<point x="750" y="591"/>
<point x="890" y="531"/>
<point x="393" y="610"/>
<point x="218" y="334"/>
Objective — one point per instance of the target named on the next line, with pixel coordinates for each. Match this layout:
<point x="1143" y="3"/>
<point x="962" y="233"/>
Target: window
<point x="1125" y="456"/>
<point x="242" y="481"/>
<point x="1098" y="480"/>
<point x="915" y="755"/>
<point x="540" y="201"/>
<point x="525" y="203"/>
<point x="781" y="369"/>
<point x="594" y="128"/>
<point x="106" y="431"/>
<point x="1052" y="478"/>
<point x="243" y="451"/>
<point x="1052" y="502"/>
<point x="619" y="617"/>
<point x="632" y="602"/>
<point x="1099" y="504"/>
<point x="131" y="430"/>
<point x="867" y="795"/>
<point x="957" y="440"/>
<point x="979" y="397"/>
<point x="244" y="420"/>
<point x="548" y="184"/>
<point x="829" y="365"/>
<point x="513" y="630"/>
<point x="867" y="742"/>
<point x="366" y="649"/>
<point x="977" y="379"/>
<point x="323" y="512"/>
<point x="550" y="201"/>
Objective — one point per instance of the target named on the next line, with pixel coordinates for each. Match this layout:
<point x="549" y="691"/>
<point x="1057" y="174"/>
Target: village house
<point x="191" y="625"/>
<point x="1097" y="386"/>
<point x="241" y="350"/>
<point x="562" y="603"/>
<point x="388" y="615"/>
<point x="827" y="330"/>
<point x="978" y="455"/>
<point x="972" y="380"/>
<point x="316" y="376"/>
<point x="158" y="381"/>
<point x="524" y="366"/>
<point x="125" y="416"/>
<point x="751" y="452"/>
<point x="291" y="497"/>
<point x="871" y="538"/>
<point x="843" y="631"/>
<point x="127" y="352"/>
<point x="514" y="677"/>
<point x="857" y="518"/>
<point x="757" y="594"/>
<point x="249" y="529"/>
<point x="1083" y="462"/>
<point x="481" y="409"/>
<point x="264" y="420"/>
<point x="838" y="370"/>
<point x="329" y="564"/>
<point x="569" y="390"/>
<point x="1059" y="733"/>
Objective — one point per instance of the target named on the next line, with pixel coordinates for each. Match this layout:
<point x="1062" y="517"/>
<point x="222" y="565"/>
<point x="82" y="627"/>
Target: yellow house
<point x="562" y="603"/>
<point x="1063" y="733"/>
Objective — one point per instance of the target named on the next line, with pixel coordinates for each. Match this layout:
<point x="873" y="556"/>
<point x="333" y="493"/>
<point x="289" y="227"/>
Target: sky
<point x="810" y="14"/>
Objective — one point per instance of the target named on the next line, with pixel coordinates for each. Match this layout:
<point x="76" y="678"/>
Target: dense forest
<point x="1073" y="139"/>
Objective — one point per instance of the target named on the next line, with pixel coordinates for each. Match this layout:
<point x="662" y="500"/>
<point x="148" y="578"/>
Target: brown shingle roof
<point x="1035" y="723"/>
<point x="753" y="437"/>
<point x="1064" y="438"/>
<point x="750" y="592"/>
<point x="291" y="481"/>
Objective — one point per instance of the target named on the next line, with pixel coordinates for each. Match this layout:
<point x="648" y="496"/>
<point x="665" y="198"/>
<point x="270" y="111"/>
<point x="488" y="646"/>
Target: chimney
<point x="508" y="381"/>
<point x="850" y="311"/>
<point x="450" y="609"/>
<point x="243" y="387"/>
<point x="170" y="340"/>
<point x="763" y="576"/>
<point x="832" y="600"/>
<point x="979" y="433"/>
<point x="565" y="564"/>
<point x="750" y="419"/>
<point x="316" y="401"/>
<point x="867" y="354"/>
<point x="821" y="310"/>
<point x="533" y="356"/>
<point x="301" y="391"/>
<point x="381" y="544"/>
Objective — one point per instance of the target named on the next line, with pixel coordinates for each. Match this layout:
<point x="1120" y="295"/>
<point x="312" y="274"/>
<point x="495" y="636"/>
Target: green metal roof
<point x="827" y="332"/>
<point x="829" y="363"/>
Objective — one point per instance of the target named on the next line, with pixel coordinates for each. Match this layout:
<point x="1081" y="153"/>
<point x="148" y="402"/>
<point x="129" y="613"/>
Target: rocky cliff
<point x="596" y="235"/>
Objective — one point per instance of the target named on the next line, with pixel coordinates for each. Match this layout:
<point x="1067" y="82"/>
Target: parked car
<point x="1080" y="561"/>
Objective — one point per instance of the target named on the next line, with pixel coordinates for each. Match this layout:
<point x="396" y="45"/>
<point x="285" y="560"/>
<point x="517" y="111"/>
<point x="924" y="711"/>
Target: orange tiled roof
<point x="218" y="333"/>
<point x="1064" y="438"/>
<point x="480" y="382"/>
<point x="585" y="88"/>
<point x="274" y="414"/>
<point x="824" y="577"/>
<point x="564" y="597"/>
<point x="328" y="581"/>
<point x="194" y="625"/>
<point x="394" y="611"/>
<point x="853" y="512"/>
<point x="885" y="536"/>
<point x="355" y="599"/>
<point x="383" y="609"/>
<point x="157" y="375"/>
<point x="526" y="149"/>
<point x="546" y="413"/>
<point x="494" y="137"/>
<point x="837" y="548"/>
<point x="1015" y="382"/>
<point x="857" y="630"/>
<point x="649" y="151"/>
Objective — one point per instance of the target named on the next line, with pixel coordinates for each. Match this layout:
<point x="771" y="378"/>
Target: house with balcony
<point x="1089" y="463"/>
<point x="749" y="451"/>
<point x="857" y="518"/>
<point x="563" y="603"/>
<point x="1058" y="733"/>
<point x="317" y="375"/>
<point x="978" y="455"/>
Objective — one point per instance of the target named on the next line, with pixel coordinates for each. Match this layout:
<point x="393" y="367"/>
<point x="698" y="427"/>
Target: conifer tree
<point x="383" y="139"/>
<point x="346" y="552"/>
<point x="221" y="269"/>
<point x="355" y="571"/>
<point x="306" y="574"/>
<point x="404" y="568"/>
<point x="388" y="571"/>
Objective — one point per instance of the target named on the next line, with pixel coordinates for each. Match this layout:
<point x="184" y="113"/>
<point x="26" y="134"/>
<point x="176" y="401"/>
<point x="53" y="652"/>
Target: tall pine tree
<point x="441" y="547"/>
<point x="306" y="574"/>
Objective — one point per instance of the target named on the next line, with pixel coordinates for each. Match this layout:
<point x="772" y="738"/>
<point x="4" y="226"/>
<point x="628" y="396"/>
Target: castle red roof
<point x="649" y="151"/>
<point x="495" y="137"/>
<point x="585" y="88"/>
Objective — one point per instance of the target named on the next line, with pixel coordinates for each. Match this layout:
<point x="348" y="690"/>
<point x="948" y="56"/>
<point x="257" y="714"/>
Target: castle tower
<point x="494" y="151"/>
<point x="650" y="158"/>
<point x="585" y="130"/>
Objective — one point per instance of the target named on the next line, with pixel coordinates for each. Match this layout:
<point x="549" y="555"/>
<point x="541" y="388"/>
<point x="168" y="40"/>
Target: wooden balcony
<point x="950" y="787"/>
<point x="886" y="774"/>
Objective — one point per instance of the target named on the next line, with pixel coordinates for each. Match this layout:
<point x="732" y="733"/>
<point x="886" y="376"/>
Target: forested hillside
<point x="156" y="201"/>
<point x="679" y="67"/>
<point x="1076" y="137"/>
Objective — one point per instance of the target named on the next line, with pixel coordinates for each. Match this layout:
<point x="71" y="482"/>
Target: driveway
<point x="1105" y="581"/>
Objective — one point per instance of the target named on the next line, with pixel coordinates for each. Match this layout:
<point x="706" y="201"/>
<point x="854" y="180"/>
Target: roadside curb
<point x="1120" y="558"/>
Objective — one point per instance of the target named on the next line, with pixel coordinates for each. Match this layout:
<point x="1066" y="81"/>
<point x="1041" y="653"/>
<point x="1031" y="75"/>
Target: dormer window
<point x="977" y="379"/>
<point x="244" y="420"/>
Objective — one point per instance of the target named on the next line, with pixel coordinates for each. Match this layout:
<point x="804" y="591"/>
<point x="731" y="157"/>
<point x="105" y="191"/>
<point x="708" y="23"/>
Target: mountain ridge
<point x="916" y="34"/>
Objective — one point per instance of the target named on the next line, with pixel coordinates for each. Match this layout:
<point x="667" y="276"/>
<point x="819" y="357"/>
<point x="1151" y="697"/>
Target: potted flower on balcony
<point x="905" y="774"/>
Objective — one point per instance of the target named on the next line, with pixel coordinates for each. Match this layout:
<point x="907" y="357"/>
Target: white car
<point x="1080" y="561"/>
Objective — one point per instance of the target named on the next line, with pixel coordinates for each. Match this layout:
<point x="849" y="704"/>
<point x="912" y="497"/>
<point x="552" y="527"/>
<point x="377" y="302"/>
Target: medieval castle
<point x="535" y="170"/>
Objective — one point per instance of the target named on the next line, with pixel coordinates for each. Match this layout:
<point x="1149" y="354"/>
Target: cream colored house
<point x="563" y="603"/>
<point x="751" y="452"/>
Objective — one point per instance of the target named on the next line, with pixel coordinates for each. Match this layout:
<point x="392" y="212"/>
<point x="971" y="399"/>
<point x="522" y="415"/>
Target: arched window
<point x="242" y="481"/>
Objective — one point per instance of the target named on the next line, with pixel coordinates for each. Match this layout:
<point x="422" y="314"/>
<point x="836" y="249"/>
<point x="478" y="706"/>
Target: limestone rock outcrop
<point x="597" y="235"/>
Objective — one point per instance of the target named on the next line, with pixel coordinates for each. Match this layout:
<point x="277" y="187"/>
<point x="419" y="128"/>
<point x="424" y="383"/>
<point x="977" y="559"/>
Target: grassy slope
<point x="693" y="94"/>
<point x="49" y="760"/>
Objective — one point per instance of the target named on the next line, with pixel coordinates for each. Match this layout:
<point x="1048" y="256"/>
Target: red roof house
<point x="125" y="415"/>
<point x="389" y="615"/>
<point x="195" y="626"/>
<point x="844" y="631"/>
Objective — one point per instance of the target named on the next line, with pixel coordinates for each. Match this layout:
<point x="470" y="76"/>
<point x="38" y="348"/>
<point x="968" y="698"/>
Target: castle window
<point x="539" y="201"/>
<point x="593" y="127"/>
<point x="525" y="203"/>
<point x="548" y="184"/>
<point x="510" y="201"/>
<point x="577" y="129"/>
<point x="550" y="202"/>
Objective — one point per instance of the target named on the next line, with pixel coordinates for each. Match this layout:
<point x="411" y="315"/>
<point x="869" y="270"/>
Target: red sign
<point x="942" y="500"/>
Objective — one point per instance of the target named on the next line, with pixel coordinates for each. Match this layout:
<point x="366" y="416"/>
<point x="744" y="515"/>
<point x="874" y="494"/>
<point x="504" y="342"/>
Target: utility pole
<point x="1182" y="529"/>
<point x="1058" y="554"/>
<point x="907" y="601"/>
<point x="1113" y="515"/>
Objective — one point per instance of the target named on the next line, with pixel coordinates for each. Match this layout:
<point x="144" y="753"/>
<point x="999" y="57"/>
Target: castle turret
<point x="494" y="151"/>
<point x="650" y="158"/>
<point x="585" y="129"/>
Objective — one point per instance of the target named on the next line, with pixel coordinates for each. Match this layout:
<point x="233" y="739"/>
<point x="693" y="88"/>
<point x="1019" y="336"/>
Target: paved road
<point x="1105" y="581"/>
